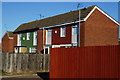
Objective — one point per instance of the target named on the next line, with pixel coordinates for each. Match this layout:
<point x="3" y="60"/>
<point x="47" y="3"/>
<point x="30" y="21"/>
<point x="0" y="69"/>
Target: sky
<point x="16" y="13"/>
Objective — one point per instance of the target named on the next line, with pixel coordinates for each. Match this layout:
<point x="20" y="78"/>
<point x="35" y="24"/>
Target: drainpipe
<point x="44" y="52"/>
<point x="79" y="28"/>
<point x="43" y="40"/>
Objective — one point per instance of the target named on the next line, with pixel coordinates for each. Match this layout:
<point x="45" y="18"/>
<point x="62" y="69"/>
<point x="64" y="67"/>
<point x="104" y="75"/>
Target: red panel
<point x="85" y="62"/>
<point x="56" y="39"/>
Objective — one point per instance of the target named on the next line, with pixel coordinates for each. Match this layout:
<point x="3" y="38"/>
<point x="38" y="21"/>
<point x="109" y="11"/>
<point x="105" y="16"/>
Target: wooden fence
<point x="87" y="63"/>
<point x="25" y="62"/>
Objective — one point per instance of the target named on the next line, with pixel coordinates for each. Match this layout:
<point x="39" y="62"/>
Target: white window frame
<point x="61" y="45"/>
<point x="47" y="47"/>
<point x="28" y="35"/>
<point x="30" y="50"/>
<point x="73" y="30"/>
<point x="73" y="33"/>
<point x="19" y="40"/>
<point x="34" y="38"/>
<point x="61" y="31"/>
<point x="47" y="36"/>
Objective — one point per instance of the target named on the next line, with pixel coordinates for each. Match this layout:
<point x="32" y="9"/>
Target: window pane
<point x="49" y="33"/>
<point x="74" y="30"/>
<point x="63" y="31"/>
<point x="28" y="36"/>
<point x="35" y="38"/>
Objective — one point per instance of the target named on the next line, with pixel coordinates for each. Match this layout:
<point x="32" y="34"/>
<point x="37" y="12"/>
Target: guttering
<point x="60" y="24"/>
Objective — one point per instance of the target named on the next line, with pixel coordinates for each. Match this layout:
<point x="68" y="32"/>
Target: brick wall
<point x="7" y="44"/>
<point x="100" y="30"/>
<point x="15" y="39"/>
<point x="40" y="41"/>
<point x="11" y="45"/>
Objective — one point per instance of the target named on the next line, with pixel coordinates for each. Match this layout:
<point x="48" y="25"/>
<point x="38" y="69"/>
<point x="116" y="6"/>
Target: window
<point x="32" y="50"/>
<point x="19" y="39"/>
<point x="35" y="38"/>
<point x="48" y="36"/>
<point x="74" y="30"/>
<point x="28" y="36"/>
<point x="63" y="31"/>
<point x="74" y="35"/>
<point x="49" y="33"/>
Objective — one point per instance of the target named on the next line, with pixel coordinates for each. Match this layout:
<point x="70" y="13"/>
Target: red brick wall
<point x="82" y="32"/>
<point x="100" y="30"/>
<point x="56" y="39"/>
<point x="15" y="39"/>
<point x="7" y="44"/>
<point x="40" y="41"/>
<point x="11" y="45"/>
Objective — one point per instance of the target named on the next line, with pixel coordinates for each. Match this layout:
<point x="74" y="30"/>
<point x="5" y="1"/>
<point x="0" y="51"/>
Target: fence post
<point x="11" y="63"/>
<point x="43" y="62"/>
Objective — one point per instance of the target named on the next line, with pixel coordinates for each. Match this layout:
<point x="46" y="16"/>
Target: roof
<point x="56" y="20"/>
<point x="10" y="34"/>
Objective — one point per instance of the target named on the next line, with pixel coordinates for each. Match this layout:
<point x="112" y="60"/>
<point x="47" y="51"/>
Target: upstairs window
<point x="63" y="31"/>
<point x="49" y="33"/>
<point x="74" y="30"/>
<point x="48" y="36"/>
<point x="28" y="36"/>
<point x="35" y="38"/>
<point x="19" y="39"/>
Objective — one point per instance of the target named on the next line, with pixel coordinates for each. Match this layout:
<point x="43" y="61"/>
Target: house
<point x="7" y="42"/>
<point x="90" y="26"/>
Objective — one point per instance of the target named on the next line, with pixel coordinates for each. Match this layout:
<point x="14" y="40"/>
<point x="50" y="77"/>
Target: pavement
<point x="22" y="77"/>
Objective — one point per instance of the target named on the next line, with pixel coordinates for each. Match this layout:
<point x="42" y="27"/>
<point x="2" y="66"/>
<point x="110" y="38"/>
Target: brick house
<point x="7" y="42"/>
<point x="90" y="26"/>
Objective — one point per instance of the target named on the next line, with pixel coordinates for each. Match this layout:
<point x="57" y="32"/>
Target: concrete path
<point x="22" y="77"/>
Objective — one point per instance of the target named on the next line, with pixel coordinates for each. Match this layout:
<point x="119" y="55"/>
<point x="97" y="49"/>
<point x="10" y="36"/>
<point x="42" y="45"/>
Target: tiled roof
<point x="55" y="20"/>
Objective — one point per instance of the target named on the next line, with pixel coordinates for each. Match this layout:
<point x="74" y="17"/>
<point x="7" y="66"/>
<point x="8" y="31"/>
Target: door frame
<point x="47" y="47"/>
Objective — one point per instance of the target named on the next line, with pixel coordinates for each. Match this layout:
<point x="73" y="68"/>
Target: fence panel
<point x="24" y="62"/>
<point x="85" y="62"/>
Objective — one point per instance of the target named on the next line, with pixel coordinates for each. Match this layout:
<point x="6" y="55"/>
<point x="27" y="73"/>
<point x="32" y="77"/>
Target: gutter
<point x="61" y="24"/>
<point x="46" y="27"/>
